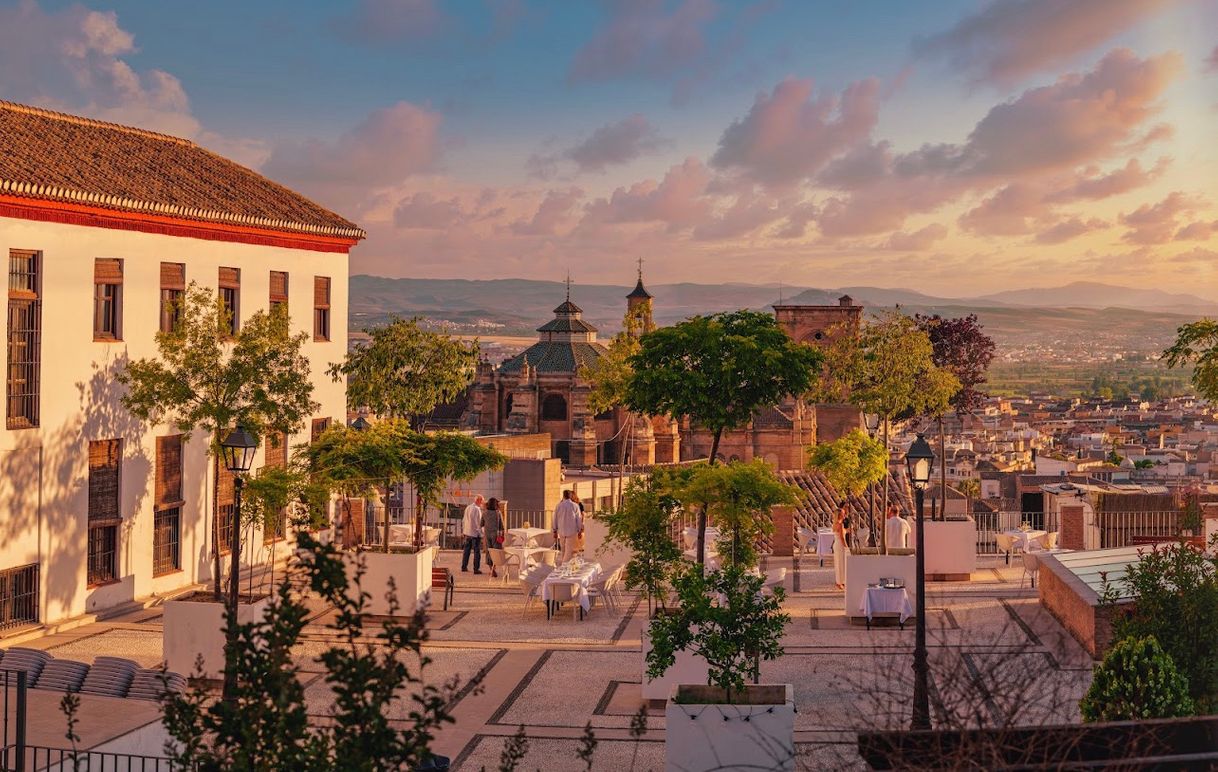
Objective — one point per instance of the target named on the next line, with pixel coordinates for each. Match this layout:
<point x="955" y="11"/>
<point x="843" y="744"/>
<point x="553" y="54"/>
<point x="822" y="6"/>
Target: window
<point x="554" y="408"/>
<point x="279" y="290"/>
<point x="167" y="514"/>
<point x="276" y="454"/>
<point x="19" y="596"/>
<point x="319" y="427"/>
<point x="24" y="339"/>
<point x="107" y="299"/>
<point x="104" y="516"/>
<point x="321" y="308"/>
<point x="230" y="295"/>
<point x="226" y="504"/>
<point x="173" y="287"/>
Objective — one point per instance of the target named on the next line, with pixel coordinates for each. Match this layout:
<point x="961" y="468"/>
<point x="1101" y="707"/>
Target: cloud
<point x="1010" y="39"/>
<point x="678" y="200"/>
<point x="424" y="210"/>
<point x="1211" y="61"/>
<point x="386" y="147"/>
<point x="553" y="212"/>
<point x="1069" y="229"/>
<point x="1197" y="231"/>
<point x="1197" y="255"/>
<point x="613" y="144"/>
<point x="788" y="135"/>
<point x="1092" y="185"/>
<point x="644" y="38"/>
<point x="745" y="215"/>
<point x="1156" y="223"/>
<point x="923" y="238"/>
<point x="381" y="22"/>
<point x="1006" y="212"/>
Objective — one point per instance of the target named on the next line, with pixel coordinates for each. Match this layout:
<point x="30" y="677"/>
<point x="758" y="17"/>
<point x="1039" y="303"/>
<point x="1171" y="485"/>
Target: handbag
<point x="499" y="539"/>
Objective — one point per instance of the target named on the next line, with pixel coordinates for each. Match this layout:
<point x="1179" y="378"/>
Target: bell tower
<point x="638" y="308"/>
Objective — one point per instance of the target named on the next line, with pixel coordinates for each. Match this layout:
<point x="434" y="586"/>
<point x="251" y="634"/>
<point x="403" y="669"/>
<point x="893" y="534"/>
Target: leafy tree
<point x="372" y="675"/>
<point x="1197" y="344"/>
<point x="204" y="378"/>
<point x="718" y="370"/>
<point x="724" y="618"/>
<point x="971" y="488"/>
<point x="1144" y="463"/>
<point x="1175" y="592"/>
<point x="851" y="463"/>
<point x="1136" y="680"/>
<point x="643" y="524"/>
<point x="609" y="376"/>
<point x="406" y="371"/>
<point x="739" y="497"/>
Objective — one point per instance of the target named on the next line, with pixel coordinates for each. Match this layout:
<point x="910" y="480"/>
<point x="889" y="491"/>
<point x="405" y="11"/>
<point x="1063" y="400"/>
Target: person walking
<point x="840" y="550"/>
<point x="568" y="525"/>
<point x="896" y="529"/>
<point x="471" y="529"/>
<point x="492" y="531"/>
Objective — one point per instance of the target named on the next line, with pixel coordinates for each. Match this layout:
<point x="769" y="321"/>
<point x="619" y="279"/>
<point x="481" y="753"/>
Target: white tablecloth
<point x="691" y="537"/>
<point x="824" y="542"/>
<point x="579" y="580"/>
<point x="525" y="554"/>
<point x="525" y="535"/>
<point x="884" y="600"/>
<point x="1023" y="538"/>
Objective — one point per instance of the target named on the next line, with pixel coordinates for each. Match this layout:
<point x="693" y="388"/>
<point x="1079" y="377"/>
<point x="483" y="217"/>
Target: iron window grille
<point x="19" y="596"/>
<point x="166" y="541"/>
<point x="103" y="554"/>
<point x="24" y="340"/>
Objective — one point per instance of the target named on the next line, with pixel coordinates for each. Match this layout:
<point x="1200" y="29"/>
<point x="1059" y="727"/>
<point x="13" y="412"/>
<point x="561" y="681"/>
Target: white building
<point x="103" y="225"/>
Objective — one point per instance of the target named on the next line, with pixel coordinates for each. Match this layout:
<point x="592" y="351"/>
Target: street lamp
<point x="360" y="424"/>
<point x="921" y="462"/>
<point x="238" y="452"/>
<point x="872" y="422"/>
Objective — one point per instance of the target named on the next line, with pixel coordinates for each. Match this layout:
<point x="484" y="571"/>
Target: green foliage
<point x="970" y="487"/>
<point x="643" y="524"/>
<point x="724" y="618"/>
<point x="405" y="370"/>
<point x="1191" y="517"/>
<point x="266" y="726"/>
<point x="1136" y="680"/>
<point x="610" y="374"/>
<point x="1144" y="463"/>
<point x="851" y="463"/>
<point x="1197" y="344"/>
<point x="737" y="497"/>
<point x="1175" y="588"/>
<point x="1114" y="458"/>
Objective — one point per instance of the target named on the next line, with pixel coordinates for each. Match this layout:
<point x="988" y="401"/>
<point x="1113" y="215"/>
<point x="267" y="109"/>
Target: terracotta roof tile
<point x="57" y="157"/>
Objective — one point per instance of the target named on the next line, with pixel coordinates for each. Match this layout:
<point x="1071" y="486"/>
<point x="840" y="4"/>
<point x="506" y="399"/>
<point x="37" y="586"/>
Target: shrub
<point x="1136" y="680"/>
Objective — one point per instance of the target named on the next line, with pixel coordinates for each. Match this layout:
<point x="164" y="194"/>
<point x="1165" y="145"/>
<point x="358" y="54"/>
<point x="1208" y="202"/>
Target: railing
<point x="19" y="596"/>
<point x="13" y="713"/>
<point x="1117" y="529"/>
<point x="42" y="759"/>
<point x="448" y="520"/>
<point x="990" y="524"/>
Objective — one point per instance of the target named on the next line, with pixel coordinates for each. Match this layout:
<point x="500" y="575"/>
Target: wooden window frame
<point x="322" y="287"/>
<point x="107" y="300"/>
<point x="23" y="369"/>
<point x="173" y="291"/>
<point x="230" y="295"/>
<point x="279" y="295"/>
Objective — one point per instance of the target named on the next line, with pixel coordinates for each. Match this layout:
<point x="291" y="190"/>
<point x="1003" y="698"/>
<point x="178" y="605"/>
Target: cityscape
<point x="684" y="385"/>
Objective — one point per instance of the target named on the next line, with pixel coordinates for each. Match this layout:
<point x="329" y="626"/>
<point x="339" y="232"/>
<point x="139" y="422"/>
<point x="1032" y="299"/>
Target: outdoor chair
<point x="774" y="579"/>
<point x="807" y="537"/>
<point x="563" y="592"/>
<point x="1005" y="544"/>
<point x="1031" y="564"/>
<point x="62" y="675"/>
<point x="531" y="581"/>
<point x="32" y="661"/>
<point x="503" y="561"/>
<point x="599" y="592"/>
<point x="544" y="540"/>
<point x="1051" y="540"/>
<point x="549" y="557"/>
<point x="442" y="580"/>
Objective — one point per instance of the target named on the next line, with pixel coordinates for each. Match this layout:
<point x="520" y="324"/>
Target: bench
<point x="442" y="579"/>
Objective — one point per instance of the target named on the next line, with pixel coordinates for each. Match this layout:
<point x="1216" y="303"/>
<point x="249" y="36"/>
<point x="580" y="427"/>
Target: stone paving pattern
<point x="554" y="677"/>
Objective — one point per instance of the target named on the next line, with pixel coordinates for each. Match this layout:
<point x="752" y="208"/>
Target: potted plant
<point x="725" y="723"/>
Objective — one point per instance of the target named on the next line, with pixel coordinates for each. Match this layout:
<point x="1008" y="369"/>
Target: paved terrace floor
<point x="995" y="652"/>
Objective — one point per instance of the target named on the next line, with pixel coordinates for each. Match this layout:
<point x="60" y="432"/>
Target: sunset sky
<point x="954" y="147"/>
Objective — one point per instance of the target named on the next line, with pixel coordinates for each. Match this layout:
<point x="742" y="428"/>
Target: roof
<point x="568" y="307"/>
<point x="818" y="498"/>
<point x="566" y="324"/>
<point x="772" y="418"/>
<point x="556" y="357"/>
<point x="639" y="291"/>
<point x="52" y="156"/>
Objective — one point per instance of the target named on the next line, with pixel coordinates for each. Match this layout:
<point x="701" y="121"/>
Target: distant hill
<point x="1090" y="294"/>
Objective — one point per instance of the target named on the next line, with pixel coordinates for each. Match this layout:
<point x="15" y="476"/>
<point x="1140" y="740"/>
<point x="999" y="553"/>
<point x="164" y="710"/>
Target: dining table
<point x="527" y="553"/>
<point x="886" y="601"/>
<point x="579" y="576"/>
<point x="824" y="544"/>
<point x="524" y="536"/>
<point x="1022" y="539"/>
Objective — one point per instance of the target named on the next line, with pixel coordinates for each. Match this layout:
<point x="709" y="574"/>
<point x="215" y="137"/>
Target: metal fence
<point x="13" y="714"/>
<point x="40" y="759"/>
<point x="1118" y="529"/>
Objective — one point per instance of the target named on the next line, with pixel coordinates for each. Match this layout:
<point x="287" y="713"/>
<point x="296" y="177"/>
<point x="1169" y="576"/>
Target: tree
<point x="1137" y="680"/>
<point x="643" y="524"/>
<point x="958" y="346"/>
<point x="405" y="371"/>
<point x="205" y="378"/>
<point x="609" y="375"/>
<point x="723" y="617"/>
<point x="1197" y="344"/>
<point x="851" y="463"/>
<point x="739" y="496"/>
<point x="971" y="488"/>
<point x="718" y="370"/>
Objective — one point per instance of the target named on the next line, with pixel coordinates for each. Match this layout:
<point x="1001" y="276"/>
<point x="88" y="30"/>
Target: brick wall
<point x="784" y="532"/>
<point x="519" y="445"/>
<point x="1072" y="528"/>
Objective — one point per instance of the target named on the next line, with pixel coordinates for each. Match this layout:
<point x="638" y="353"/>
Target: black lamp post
<point x="238" y="451"/>
<point x="872" y="422"/>
<point x="921" y="462"/>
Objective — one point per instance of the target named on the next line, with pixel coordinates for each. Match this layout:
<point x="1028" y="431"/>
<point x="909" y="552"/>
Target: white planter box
<point x="194" y="628"/>
<point x="687" y="669"/>
<point x="951" y="548"/>
<point x="862" y="570"/>
<point x="411" y="573"/>
<point x="703" y="737"/>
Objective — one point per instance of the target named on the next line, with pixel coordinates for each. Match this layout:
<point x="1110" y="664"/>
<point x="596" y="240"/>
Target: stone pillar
<point x="667" y="439"/>
<point x="784" y="531"/>
<point x="1072" y="525"/>
<point x="642" y="442"/>
<point x="583" y="441"/>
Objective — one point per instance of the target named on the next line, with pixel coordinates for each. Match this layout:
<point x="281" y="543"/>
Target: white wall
<point x="44" y="471"/>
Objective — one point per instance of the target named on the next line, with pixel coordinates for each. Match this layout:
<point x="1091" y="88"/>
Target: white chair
<point x="1051" y="540"/>
<point x="504" y="561"/>
<point x="601" y="590"/>
<point x="531" y="581"/>
<point x="544" y="540"/>
<point x="807" y="537"/>
<point x="1005" y="543"/>
<point x="564" y="592"/>
<point x="1031" y="564"/>
<point x="774" y="579"/>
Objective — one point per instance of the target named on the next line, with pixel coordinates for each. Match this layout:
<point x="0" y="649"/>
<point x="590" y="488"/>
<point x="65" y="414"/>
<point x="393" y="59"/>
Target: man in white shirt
<point x="896" y="529"/>
<point x="471" y="529"/>
<point x="568" y="525"/>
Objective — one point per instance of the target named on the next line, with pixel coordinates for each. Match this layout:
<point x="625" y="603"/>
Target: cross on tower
<point x="568" y="285"/>
<point x="640" y="269"/>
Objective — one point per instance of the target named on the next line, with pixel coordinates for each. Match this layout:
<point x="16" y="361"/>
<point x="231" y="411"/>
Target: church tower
<point x="638" y="308"/>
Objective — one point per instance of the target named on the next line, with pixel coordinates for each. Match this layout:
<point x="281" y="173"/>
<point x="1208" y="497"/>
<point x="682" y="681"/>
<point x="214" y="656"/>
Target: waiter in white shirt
<point x="896" y="529"/>
<point x="568" y="525"/>
<point x="471" y="529"/>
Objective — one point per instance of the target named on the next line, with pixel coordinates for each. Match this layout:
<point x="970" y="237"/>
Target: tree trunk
<point x="385" y="506"/>
<point x="942" y="470"/>
<point x="884" y="482"/>
<point x="702" y="512"/>
<point x="215" y="519"/>
<point x="621" y="458"/>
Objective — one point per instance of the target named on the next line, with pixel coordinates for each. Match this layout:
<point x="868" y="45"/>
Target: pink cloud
<point x="678" y="200"/>
<point x="1069" y="229"/>
<point x="1197" y="255"/>
<point x="613" y="144"/>
<point x="424" y="210"/>
<point x="643" y="37"/>
<point x="923" y="238"/>
<point x="389" y="21"/>
<point x="1006" y="212"/>
<point x="1197" y="231"/>
<point x="1211" y="61"/>
<point x="1156" y="223"/>
<point x="745" y="215"/>
<point x="1092" y="185"/>
<point x="1011" y="39"/>
<point x="553" y="212"/>
<point x="788" y="135"/>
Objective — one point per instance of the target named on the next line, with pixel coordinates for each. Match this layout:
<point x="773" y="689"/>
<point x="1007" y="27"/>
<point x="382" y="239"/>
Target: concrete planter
<point x="411" y="574"/>
<point x="703" y="733"/>
<point x="951" y="549"/>
<point x="196" y="628"/>
<point x="687" y="669"/>
<point x="862" y="570"/>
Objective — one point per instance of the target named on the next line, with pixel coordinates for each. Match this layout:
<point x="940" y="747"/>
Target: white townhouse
<point x="104" y="226"/>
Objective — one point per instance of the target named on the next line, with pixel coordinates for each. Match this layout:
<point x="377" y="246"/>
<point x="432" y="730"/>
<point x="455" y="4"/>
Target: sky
<point x="954" y="147"/>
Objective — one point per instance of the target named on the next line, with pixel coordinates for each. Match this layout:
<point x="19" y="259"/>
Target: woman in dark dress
<point x="492" y="531"/>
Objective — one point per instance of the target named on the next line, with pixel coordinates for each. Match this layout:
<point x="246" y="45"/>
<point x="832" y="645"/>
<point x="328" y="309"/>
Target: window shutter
<point x="277" y="449"/>
<point x="169" y="470"/>
<point x="173" y="276"/>
<point x="225" y="491"/>
<point x="230" y="278"/>
<point x="319" y="426"/>
<point x="104" y="464"/>
<point x="107" y="270"/>
<point x="279" y="287"/>
<point x="321" y="291"/>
